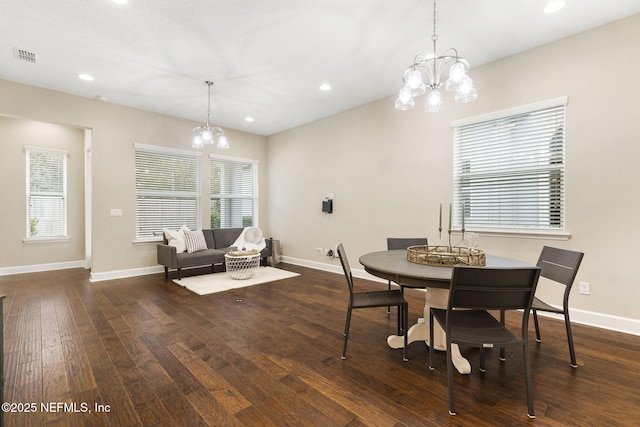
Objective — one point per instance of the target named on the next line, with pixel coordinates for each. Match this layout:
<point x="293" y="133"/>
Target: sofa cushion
<point x="224" y="237"/>
<point x="205" y="257"/>
<point x="208" y="236"/>
<point x="195" y="241"/>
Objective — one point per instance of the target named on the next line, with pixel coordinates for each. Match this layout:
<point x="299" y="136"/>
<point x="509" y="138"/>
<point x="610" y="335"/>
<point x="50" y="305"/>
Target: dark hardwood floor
<point x="152" y="353"/>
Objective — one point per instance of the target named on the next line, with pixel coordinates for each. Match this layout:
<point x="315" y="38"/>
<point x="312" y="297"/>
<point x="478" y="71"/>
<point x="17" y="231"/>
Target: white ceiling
<point x="267" y="58"/>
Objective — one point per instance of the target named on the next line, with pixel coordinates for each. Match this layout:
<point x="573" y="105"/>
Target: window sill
<point x="58" y="239"/>
<point x="523" y="234"/>
<point x="148" y="241"/>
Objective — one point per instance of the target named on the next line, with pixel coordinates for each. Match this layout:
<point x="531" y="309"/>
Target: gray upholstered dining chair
<point x="373" y="299"/>
<point x="467" y="321"/>
<point x="402" y="243"/>
<point x="560" y="266"/>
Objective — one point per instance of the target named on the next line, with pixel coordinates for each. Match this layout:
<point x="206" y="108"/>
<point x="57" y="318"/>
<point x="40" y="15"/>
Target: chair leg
<point x="405" y="321"/>
<point x="528" y="381"/>
<point x="388" y="288"/>
<point x="431" y="319"/>
<point x="346" y="333"/>
<point x="503" y="356"/>
<point x="535" y="322"/>
<point x="572" y="352"/>
<point x="452" y="409"/>
<point x="482" y="359"/>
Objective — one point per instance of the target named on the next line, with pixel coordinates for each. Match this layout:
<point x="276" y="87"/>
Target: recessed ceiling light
<point x="248" y="119"/>
<point x="554" y="6"/>
<point x="325" y="87"/>
<point x="86" y="77"/>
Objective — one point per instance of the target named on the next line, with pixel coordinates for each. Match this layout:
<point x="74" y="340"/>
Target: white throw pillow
<point x="175" y="238"/>
<point x="195" y="241"/>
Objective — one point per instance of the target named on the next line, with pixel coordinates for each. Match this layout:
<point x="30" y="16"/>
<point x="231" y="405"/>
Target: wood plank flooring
<point x="145" y="352"/>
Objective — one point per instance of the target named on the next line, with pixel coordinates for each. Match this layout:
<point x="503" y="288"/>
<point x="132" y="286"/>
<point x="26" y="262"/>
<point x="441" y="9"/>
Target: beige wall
<point x="389" y="170"/>
<point x="114" y="130"/>
<point x="15" y="134"/>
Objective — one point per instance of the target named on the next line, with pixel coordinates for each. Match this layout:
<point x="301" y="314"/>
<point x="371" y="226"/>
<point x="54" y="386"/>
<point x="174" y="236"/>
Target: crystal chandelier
<point x="433" y="65"/>
<point x="207" y="134"/>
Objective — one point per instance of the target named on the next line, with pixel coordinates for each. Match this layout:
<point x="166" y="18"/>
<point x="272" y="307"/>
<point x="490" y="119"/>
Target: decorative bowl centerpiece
<point x="446" y="256"/>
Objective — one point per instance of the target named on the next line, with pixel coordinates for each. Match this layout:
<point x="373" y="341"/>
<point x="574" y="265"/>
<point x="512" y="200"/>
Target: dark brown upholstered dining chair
<point x="560" y="266"/>
<point x="372" y="299"/>
<point x="467" y="322"/>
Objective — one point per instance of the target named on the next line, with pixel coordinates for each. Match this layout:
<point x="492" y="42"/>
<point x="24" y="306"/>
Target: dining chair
<point x="467" y="322"/>
<point x="402" y="243"/>
<point x="373" y="299"/>
<point x="560" y="266"/>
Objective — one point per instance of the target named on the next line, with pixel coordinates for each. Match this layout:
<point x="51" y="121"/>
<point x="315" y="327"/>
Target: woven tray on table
<point x="445" y="256"/>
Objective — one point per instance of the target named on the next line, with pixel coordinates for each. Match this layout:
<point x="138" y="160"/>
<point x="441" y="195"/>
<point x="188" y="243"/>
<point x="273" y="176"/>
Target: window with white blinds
<point x="167" y="190"/>
<point x="234" y="192"/>
<point x="509" y="169"/>
<point x="46" y="193"/>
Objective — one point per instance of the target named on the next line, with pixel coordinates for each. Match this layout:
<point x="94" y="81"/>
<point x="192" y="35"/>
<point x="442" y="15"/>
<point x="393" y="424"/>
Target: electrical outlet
<point x="584" y="288"/>
<point x="319" y="251"/>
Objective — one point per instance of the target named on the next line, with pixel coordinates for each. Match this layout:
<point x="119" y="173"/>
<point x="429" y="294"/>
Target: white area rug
<point x="219" y="282"/>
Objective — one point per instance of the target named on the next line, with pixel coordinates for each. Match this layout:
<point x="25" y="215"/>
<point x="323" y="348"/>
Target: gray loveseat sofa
<point x="218" y="243"/>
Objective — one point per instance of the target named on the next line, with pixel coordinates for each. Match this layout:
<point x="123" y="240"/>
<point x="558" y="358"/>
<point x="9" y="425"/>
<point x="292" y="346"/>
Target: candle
<point x="440" y="216"/>
<point x="450" y="213"/>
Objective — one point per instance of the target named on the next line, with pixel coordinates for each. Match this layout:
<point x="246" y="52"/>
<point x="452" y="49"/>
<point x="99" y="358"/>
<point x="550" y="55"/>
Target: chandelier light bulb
<point x="405" y="100"/>
<point x="434" y="101"/>
<point x="223" y="143"/>
<point x="456" y="73"/>
<point x="465" y="85"/>
<point x="415" y="83"/>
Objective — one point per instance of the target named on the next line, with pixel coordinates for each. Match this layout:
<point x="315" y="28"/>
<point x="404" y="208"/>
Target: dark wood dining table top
<point x="393" y="265"/>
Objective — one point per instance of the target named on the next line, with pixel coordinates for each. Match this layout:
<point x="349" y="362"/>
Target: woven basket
<point x="445" y="256"/>
<point x="242" y="264"/>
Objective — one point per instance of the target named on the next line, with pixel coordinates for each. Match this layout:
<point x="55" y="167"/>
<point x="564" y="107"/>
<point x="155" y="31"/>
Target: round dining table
<point x="393" y="265"/>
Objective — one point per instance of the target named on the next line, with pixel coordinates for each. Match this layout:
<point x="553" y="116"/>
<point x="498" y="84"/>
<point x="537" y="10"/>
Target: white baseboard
<point x="598" y="320"/>
<point x="6" y="271"/>
<point x="122" y="274"/>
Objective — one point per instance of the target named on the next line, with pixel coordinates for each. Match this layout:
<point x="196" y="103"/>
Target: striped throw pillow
<point x="194" y="240"/>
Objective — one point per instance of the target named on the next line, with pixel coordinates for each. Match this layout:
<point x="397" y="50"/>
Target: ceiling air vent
<point x="25" y="55"/>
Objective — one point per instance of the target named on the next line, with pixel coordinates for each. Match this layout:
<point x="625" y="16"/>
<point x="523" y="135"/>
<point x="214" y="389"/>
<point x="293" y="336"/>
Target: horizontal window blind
<point x="46" y="193"/>
<point x="233" y="192"/>
<point x="509" y="172"/>
<point x="167" y="191"/>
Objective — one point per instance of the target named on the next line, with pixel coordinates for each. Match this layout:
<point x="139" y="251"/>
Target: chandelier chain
<point x="434" y="37"/>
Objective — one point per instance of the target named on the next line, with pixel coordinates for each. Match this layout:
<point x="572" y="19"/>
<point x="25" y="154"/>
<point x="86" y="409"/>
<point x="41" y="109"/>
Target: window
<point x="167" y="190"/>
<point x="234" y="194"/>
<point x="46" y="194"/>
<point x="509" y="169"/>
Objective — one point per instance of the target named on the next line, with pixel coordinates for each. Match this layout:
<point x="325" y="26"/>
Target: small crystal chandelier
<point x="433" y="65"/>
<point x="207" y="134"/>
